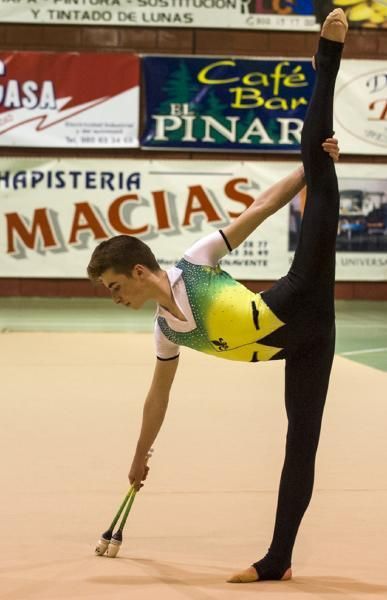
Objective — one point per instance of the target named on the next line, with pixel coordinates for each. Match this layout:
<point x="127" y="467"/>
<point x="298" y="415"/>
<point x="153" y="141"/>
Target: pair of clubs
<point x="110" y="542"/>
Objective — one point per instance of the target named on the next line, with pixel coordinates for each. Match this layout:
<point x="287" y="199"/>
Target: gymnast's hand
<point x="332" y="147"/>
<point x="139" y="471"/>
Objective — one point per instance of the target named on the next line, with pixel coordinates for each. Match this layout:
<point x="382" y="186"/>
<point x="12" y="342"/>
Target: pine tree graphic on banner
<point x="179" y="89"/>
<point x="216" y="109"/>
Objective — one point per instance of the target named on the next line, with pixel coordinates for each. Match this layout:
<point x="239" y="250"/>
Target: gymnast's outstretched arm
<point x="263" y="206"/>
<point x="155" y="407"/>
<point x="272" y="200"/>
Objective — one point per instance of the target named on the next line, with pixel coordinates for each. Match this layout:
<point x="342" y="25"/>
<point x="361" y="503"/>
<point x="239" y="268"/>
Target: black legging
<point x="304" y="300"/>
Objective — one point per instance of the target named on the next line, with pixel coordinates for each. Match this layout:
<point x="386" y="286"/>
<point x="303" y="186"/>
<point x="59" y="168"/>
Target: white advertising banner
<point x="69" y="99"/>
<point x="360" y="107"/>
<point x="55" y="211"/>
<point x="236" y="14"/>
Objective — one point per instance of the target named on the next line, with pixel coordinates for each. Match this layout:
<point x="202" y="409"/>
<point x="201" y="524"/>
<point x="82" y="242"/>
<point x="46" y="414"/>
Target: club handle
<point x="114" y="522"/>
<point x="132" y="496"/>
<point x="127" y="510"/>
<point x="129" y="498"/>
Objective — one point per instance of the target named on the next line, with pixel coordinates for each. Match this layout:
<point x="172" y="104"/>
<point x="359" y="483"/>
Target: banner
<point x="237" y="14"/>
<point x="370" y="14"/>
<point x="53" y="212"/>
<point x="360" y="107"/>
<point x="224" y="103"/>
<point x="292" y="15"/>
<point x="69" y="100"/>
<point x="361" y="246"/>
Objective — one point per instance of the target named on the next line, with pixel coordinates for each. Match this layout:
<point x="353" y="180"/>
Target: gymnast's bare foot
<point x="250" y="575"/>
<point x="335" y="26"/>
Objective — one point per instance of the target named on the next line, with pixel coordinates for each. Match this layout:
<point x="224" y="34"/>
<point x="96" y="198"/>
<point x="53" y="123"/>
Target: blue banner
<point x="219" y="103"/>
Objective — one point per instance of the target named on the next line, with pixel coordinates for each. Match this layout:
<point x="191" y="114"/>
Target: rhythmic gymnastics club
<point x="116" y="539"/>
<point x="106" y="537"/>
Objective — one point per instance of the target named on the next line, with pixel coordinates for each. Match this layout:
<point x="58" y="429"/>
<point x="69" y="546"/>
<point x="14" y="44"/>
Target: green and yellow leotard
<point x="231" y="321"/>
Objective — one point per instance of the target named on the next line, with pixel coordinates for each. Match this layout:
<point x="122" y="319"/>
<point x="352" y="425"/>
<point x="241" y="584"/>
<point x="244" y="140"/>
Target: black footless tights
<point x="304" y="300"/>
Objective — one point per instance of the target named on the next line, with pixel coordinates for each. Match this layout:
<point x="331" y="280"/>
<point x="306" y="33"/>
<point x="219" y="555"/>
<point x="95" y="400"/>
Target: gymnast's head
<point x="126" y="266"/>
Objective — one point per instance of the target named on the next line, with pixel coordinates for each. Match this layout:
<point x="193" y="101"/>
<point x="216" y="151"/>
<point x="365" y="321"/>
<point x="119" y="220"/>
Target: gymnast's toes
<point x="247" y="576"/>
<point x="335" y="26"/>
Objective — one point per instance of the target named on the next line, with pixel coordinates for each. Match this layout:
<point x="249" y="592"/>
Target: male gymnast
<point x="201" y="306"/>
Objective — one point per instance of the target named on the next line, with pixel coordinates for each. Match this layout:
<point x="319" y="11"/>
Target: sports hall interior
<point x="75" y="370"/>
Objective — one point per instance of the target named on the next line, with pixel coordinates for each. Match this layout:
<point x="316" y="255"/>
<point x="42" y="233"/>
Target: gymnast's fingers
<point x="332" y="149"/>
<point x="330" y="145"/>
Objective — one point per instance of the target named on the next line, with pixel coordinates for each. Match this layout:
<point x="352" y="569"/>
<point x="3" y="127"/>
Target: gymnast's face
<point x="131" y="291"/>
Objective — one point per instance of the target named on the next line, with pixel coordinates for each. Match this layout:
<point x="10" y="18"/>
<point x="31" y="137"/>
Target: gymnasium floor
<point x="70" y="411"/>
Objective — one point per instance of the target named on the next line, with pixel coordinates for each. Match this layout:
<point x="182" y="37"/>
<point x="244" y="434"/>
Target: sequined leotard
<point x="231" y="321"/>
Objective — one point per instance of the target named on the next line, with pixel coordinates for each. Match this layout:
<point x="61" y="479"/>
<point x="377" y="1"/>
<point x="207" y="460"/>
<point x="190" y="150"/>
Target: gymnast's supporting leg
<point x="308" y="365"/>
<point x="306" y="385"/>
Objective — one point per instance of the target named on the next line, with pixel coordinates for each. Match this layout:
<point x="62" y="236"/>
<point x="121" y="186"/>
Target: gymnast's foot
<point x="335" y="26"/>
<point x="250" y="575"/>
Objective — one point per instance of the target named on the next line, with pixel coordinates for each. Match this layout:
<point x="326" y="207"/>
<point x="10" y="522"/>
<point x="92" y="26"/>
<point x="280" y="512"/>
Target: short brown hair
<point x="120" y="253"/>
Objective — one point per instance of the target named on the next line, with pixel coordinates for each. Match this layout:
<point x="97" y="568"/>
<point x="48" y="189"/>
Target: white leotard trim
<point x="207" y="251"/>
